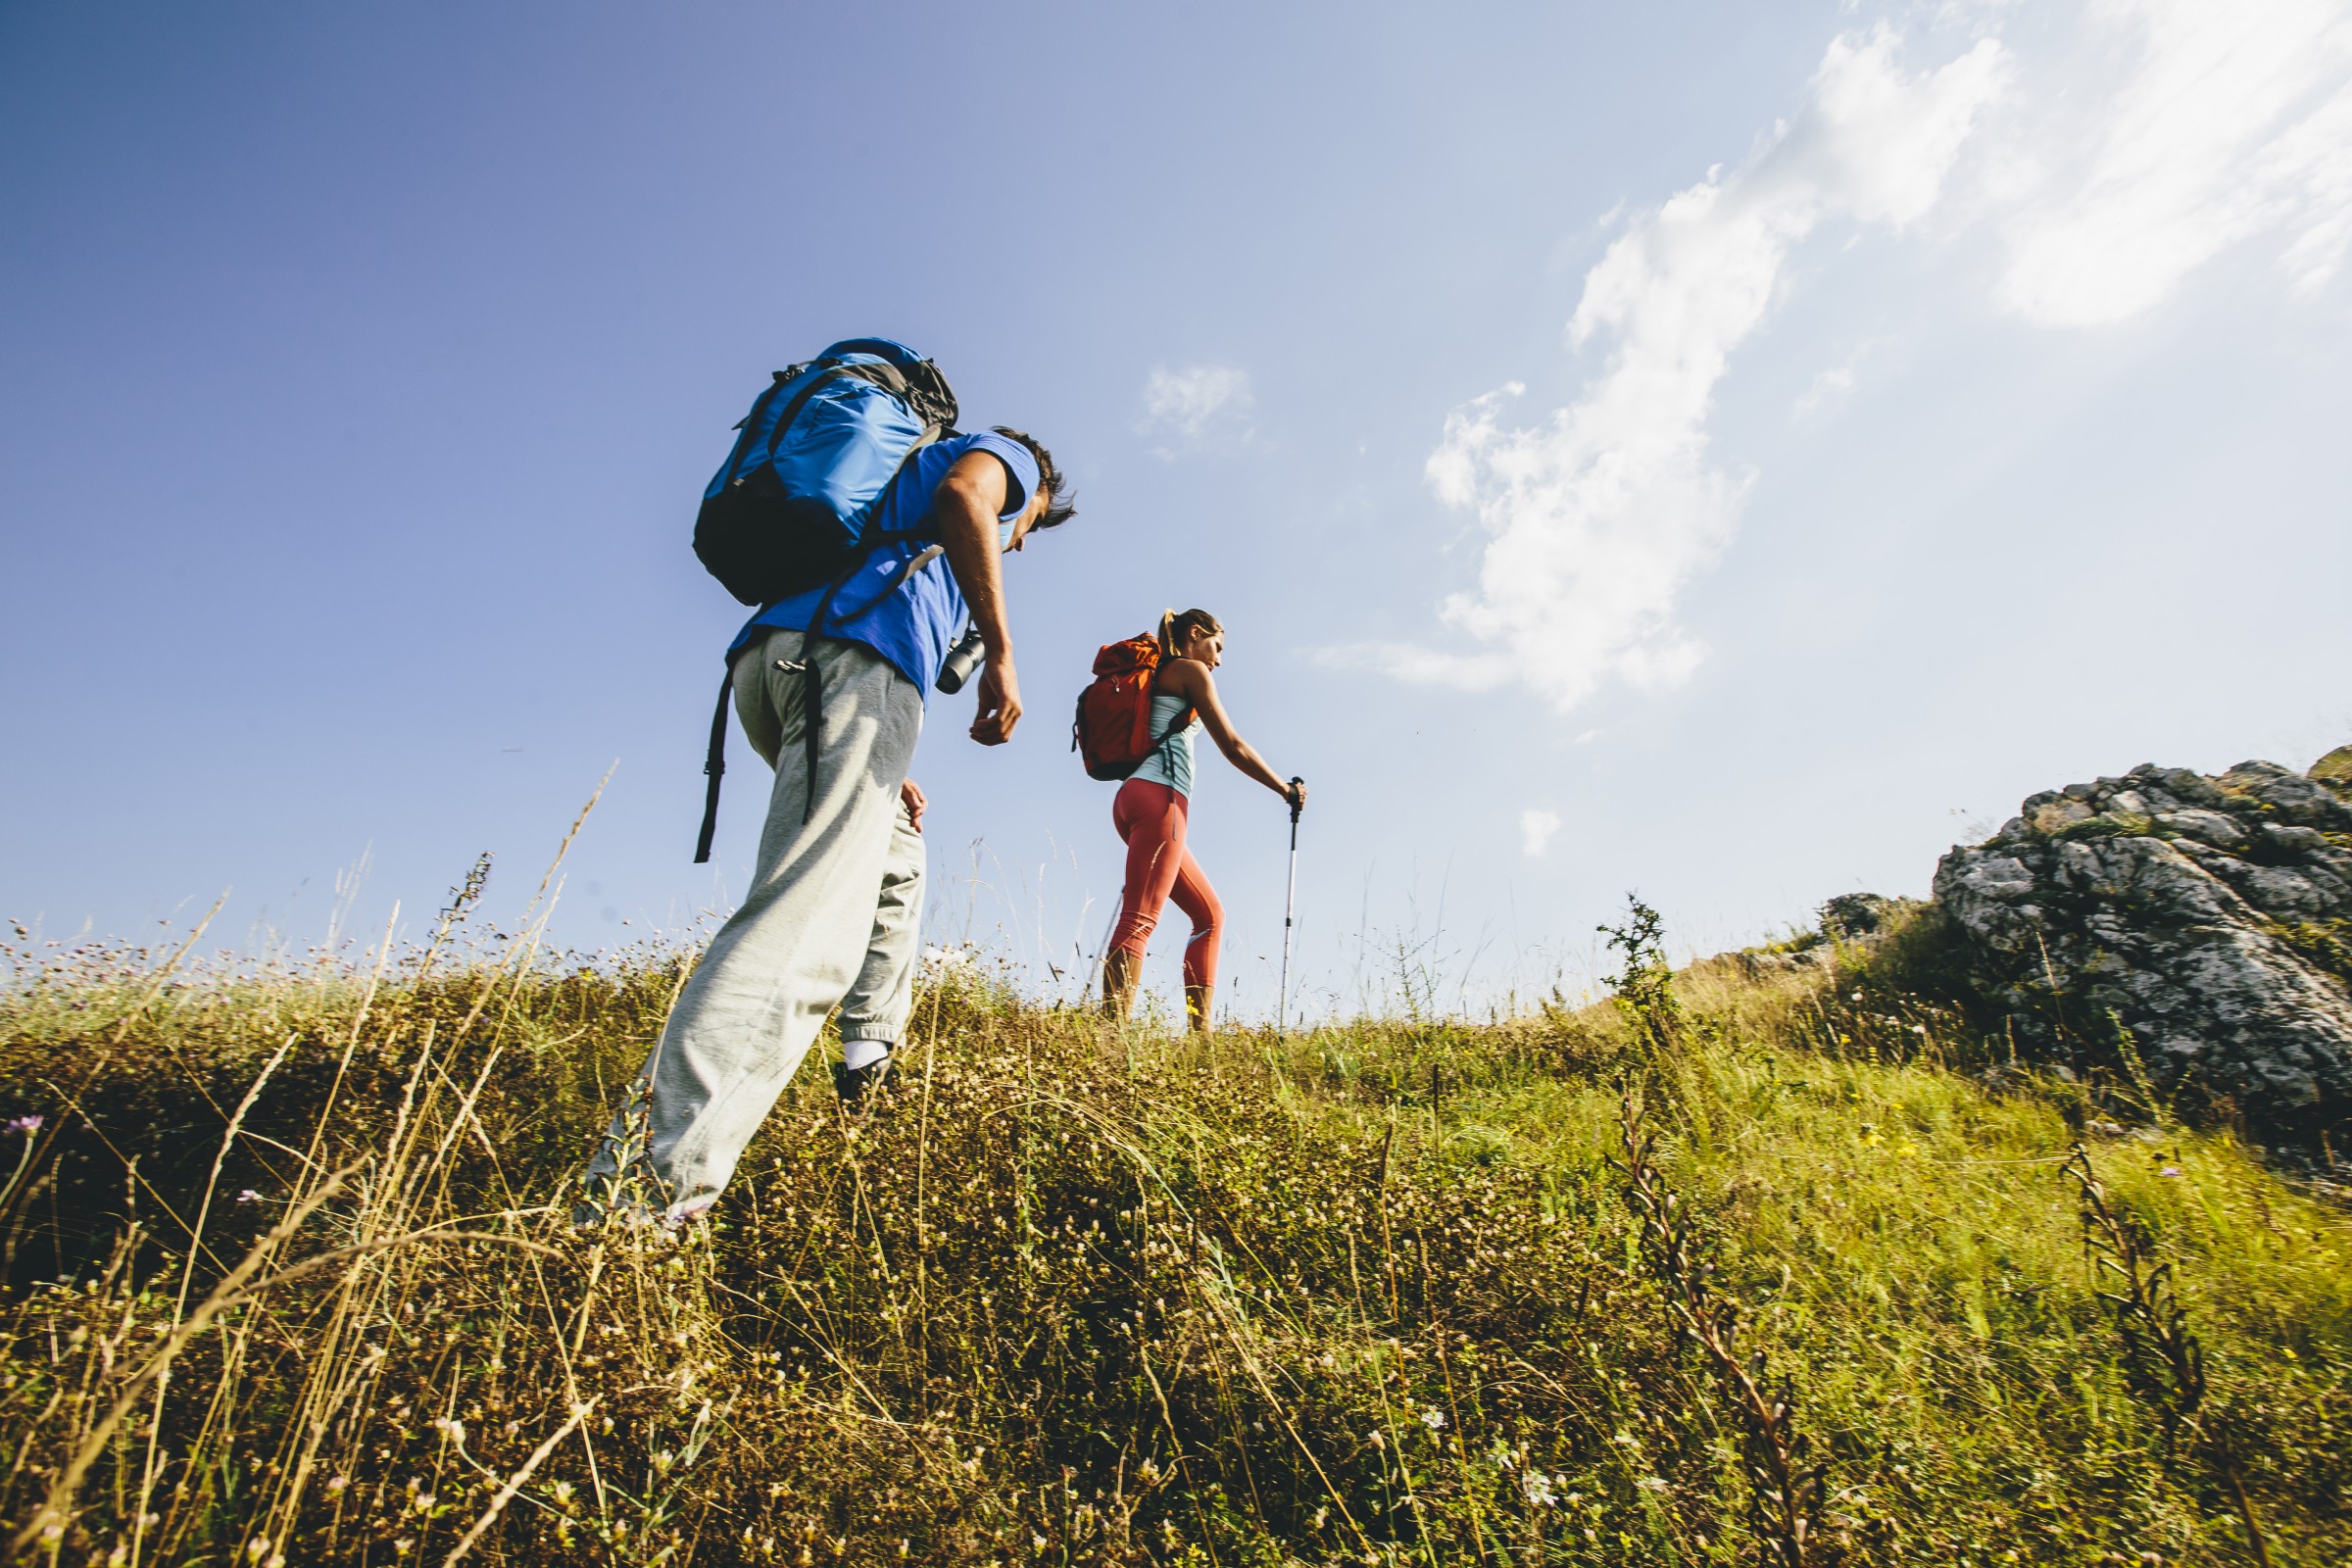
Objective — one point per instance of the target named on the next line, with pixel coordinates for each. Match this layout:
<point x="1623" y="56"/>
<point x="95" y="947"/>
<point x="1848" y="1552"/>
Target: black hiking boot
<point x="854" y="1084"/>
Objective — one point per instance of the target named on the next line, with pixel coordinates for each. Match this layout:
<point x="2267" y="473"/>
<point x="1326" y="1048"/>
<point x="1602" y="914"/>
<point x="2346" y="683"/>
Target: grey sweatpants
<point x="830" y="920"/>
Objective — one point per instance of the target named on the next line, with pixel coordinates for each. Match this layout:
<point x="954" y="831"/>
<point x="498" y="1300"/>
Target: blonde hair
<point x="1176" y="628"/>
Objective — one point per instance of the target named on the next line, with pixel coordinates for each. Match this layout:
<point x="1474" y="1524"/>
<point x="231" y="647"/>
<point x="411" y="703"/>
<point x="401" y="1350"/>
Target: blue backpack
<point x="787" y="512"/>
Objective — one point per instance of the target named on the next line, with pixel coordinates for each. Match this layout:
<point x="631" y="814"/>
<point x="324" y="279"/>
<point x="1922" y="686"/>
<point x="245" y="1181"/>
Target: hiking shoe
<point x="591" y="1216"/>
<point x="853" y="1084"/>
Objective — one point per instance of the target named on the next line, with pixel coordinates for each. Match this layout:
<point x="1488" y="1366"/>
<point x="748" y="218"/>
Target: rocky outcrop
<point x="2204" y="922"/>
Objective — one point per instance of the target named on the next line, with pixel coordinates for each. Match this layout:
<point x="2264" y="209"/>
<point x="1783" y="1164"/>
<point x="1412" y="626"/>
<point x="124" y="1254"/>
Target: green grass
<point x="1369" y="1294"/>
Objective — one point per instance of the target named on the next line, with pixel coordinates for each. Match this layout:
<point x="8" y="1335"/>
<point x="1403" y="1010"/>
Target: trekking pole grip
<point x="1298" y="799"/>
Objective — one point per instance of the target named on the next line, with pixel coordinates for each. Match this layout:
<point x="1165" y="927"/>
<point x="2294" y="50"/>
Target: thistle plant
<point x="1643" y="984"/>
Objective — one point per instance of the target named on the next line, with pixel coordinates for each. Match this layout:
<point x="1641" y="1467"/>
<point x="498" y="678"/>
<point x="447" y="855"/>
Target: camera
<point x="962" y="660"/>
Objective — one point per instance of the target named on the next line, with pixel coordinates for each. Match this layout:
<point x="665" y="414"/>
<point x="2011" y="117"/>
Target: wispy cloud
<point x="2225" y="120"/>
<point x="1196" y="405"/>
<point x="1600" y="515"/>
<point x="1835" y="383"/>
<point x="1535" y="830"/>
<point x="1829" y="388"/>
<point x="2142" y="139"/>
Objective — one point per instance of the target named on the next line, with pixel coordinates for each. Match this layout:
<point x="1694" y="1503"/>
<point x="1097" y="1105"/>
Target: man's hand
<point x="911" y="795"/>
<point x="1000" y="704"/>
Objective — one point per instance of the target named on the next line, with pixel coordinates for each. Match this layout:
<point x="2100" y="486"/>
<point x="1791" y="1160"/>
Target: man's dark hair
<point x="1064" y="504"/>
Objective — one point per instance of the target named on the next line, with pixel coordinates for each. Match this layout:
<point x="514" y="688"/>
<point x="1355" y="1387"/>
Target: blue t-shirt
<point x="914" y="627"/>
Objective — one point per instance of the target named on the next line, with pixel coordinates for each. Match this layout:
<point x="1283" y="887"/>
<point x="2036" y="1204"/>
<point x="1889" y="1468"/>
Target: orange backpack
<point x="1113" y="734"/>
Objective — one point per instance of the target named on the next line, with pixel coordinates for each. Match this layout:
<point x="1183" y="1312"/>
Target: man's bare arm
<point x="967" y="502"/>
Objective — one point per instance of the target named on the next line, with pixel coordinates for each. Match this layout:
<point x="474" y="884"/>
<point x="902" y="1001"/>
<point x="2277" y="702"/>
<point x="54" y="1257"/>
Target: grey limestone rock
<point x="2206" y="922"/>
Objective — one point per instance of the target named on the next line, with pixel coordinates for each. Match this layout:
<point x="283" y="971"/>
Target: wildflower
<point x="1379" y="1441"/>
<point x="1537" y="1488"/>
<point x="1433" y="1419"/>
<point x="258" y="1547"/>
<point x="338" y="1483"/>
<point x="1651" y="1483"/>
<point x="249" y="1195"/>
<point x="28" y="1125"/>
<point x="2169" y="1170"/>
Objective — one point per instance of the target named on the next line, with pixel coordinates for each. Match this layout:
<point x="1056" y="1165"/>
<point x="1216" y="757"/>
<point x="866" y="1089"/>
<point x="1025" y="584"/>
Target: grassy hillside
<point x="1380" y="1292"/>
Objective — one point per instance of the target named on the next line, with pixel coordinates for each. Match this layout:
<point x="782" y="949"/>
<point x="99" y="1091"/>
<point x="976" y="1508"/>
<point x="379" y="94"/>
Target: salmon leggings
<point x="1151" y="817"/>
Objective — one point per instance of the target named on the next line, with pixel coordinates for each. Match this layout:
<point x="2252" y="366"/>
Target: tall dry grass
<point x="289" y="1279"/>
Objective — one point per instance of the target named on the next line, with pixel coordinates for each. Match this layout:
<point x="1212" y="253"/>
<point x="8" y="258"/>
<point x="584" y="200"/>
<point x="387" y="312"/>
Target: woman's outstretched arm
<point x="1190" y="679"/>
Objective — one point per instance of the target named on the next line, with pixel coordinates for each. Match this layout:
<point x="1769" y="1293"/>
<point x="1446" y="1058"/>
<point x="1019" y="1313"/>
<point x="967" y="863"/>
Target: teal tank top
<point x="1171" y="760"/>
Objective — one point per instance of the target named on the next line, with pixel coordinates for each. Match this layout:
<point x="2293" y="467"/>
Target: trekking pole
<point x="1290" y="904"/>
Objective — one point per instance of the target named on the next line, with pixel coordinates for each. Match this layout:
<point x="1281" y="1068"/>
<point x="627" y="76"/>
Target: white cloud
<point x="2140" y="139"/>
<point x="1829" y="388"/>
<point x="1196" y="402"/>
<point x="1600" y="516"/>
<point x="2228" y="119"/>
<point x="1535" y="830"/>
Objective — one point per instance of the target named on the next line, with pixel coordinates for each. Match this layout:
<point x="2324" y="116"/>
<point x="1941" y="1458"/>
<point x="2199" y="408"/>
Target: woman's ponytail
<point x="1176" y="630"/>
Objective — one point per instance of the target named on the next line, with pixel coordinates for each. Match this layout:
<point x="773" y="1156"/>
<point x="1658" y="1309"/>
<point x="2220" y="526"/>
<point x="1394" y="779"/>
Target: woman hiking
<point x="1150" y="810"/>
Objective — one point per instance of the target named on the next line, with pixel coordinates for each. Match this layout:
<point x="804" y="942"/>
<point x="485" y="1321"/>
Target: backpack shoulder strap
<point x="714" y="764"/>
<point x="812" y="706"/>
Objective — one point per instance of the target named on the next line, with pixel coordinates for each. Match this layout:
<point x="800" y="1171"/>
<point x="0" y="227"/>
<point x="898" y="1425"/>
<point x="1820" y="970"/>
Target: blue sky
<point x="1719" y="450"/>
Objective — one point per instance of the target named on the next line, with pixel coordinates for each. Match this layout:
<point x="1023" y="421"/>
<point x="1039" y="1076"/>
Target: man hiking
<point x="834" y="902"/>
